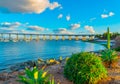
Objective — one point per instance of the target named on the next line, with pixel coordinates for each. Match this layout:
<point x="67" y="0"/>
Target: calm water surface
<point x="12" y="53"/>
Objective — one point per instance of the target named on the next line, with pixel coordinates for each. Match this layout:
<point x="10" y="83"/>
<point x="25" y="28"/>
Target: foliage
<point x="60" y="58"/>
<point x="109" y="56"/>
<point x="66" y="59"/>
<point x="108" y="38"/>
<point x="117" y="49"/>
<point x="84" y="68"/>
<point x="52" y="81"/>
<point x="35" y="76"/>
<point x="104" y="35"/>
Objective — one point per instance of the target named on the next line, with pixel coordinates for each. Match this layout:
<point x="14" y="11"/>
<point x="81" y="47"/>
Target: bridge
<point x="28" y="37"/>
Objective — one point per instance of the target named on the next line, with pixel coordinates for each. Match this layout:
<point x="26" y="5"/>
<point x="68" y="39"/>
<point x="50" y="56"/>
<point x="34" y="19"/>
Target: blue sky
<point x="59" y="16"/>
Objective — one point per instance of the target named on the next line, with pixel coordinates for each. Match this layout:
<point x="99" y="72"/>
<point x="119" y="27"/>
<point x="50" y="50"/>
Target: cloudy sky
<point x="59" y="16"/>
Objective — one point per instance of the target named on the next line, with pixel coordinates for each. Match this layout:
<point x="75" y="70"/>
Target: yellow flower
<point x="43" y="67"/>
<point x="60" y="57"/>
<point x="36" y="75"/>
<point x="67" y="58"/>
<point x="51" y="61"/>
<point x="44" y="74"/>
<point x="57" y="62"/>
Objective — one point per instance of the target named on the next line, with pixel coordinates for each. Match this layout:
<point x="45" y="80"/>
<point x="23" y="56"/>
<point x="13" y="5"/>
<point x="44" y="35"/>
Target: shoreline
<point x="30" y="63"/>
<point x="57" y="71"/>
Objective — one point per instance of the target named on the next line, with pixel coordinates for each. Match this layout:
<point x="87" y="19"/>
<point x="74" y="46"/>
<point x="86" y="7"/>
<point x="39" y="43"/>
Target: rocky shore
<point x="56" y="70"/>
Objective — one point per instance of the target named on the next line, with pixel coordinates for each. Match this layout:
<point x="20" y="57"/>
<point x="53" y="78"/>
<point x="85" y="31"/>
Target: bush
<point x="117" y="49"/>
<point x="84" y="68"/>
<point x="109" y="57"/>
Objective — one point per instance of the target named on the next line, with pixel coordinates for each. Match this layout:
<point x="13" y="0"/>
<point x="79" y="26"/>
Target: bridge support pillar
<point x="37" y="38"/>
<point x="76" y="38"/>
<point x="50" y="37"/>
<point x="91" y="37"/>
<point x="30" y="37"/>
<point x="17" y="37"/>
<point x="70" y="37"/>
<point x="9" y="36"/>
<point x="24" y="38"/>
<point x="84" y="38"/>
<point x="44" y="37"/>
<point x="57" y="37"/>
<point x="63" y="38"/>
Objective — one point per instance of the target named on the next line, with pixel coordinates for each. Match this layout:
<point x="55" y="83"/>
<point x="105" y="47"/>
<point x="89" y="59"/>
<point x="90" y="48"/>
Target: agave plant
<point x="36" y="76"/>
<point x="60" y="58"/>
<point x="109" y="57"/>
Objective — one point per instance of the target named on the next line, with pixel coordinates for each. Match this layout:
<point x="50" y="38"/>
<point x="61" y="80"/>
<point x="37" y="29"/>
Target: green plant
<point x="60" y="58"/>
<point x="66" y="59"/>
<point x="52" y="81"/>
<point x="117" y="49"/>
<point x="35" y="76"/>
<point x="108" y="38"/>
<point x="109" y="57"/>
<point x="85" y="68"/>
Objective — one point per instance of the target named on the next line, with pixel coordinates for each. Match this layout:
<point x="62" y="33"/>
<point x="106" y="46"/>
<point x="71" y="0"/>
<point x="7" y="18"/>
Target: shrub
<point x="109" y="57"/>
<point x="117" y="49"/>
<point x="84" y="68"/>
<point x="35" y="76"/>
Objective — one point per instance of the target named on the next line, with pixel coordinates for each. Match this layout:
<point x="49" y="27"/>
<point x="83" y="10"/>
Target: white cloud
<point x="68" y="17"/>
<point x="92" y="19"/>
<point x="62" y="31"/>
<point x="75" y="26"/>
<point x="60" y="16"/>
<point x="54" y="5"/>
<point x="89" y="28"/>
<point x="36" y="28"/>
<point x="10" y="30"/>
<point x="28" y="6"/>
<point x="110" y="14"/>
<point x="17" y="27"/>
<point x="104" y="16"/>
<point x="10" y="25"/>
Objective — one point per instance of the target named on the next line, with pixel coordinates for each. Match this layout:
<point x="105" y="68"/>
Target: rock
<point x="29" y="63"/>
<point x="21" y="72"/>
<point x="14" y="68"/>
<point x="4" y="76"/>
